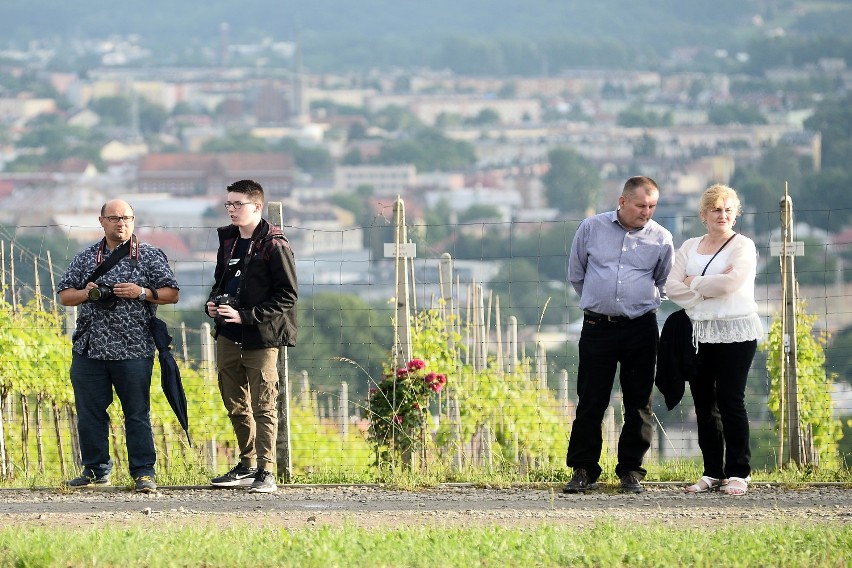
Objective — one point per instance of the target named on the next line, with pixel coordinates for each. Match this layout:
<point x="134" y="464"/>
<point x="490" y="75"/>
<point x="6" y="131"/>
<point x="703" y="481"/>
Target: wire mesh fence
<point x="490" y="310"/>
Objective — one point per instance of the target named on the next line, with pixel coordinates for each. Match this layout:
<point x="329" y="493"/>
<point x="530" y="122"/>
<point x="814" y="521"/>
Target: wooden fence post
<point x="3" y="468"/>
<point x="183" y="341"/>
<point x="39" y="436"/>
<point x="512" y="342"/>
<point x="212" y="452"/>
<point x="455" y="431"/>
<point x="208" y="354"/>
<point x="447" y="304"/>
<point x="610" y="433"/>
<point x="343" y="410"/>
<point x="70" y="320"/>
<point x="481" y="339"/>
<point x="208" y="366"/>
<point x="25" y="434"/>
<point x="57" y="423"/>
<point x="563" y="393"/>
<point x="498" y="338"/>
<point x="305" y="395"/>
<point x="541" y="365"/>
<point x="283" y="455"/>
<point x="75" y="436"/>
<point x="402" y="329"/>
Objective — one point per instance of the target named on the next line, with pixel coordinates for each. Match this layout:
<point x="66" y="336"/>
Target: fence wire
<point x="507" y="301"/>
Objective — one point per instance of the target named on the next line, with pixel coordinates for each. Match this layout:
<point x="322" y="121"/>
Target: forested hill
<point x="414" y="32"/>
<point x="530" y="19"/>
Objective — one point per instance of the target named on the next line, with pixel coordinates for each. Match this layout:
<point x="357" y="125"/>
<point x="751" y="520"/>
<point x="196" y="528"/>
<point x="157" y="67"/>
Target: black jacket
<point x="676" y="358"/>
<point x="268" y="288"/>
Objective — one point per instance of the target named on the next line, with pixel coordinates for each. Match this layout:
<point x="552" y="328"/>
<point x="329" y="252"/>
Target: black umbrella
<point x="170" y="374"/>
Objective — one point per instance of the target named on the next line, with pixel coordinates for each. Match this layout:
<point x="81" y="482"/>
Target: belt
<point x="596" y="316"/>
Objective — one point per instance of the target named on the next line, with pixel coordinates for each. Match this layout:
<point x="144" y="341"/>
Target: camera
<point x="224" y="300"/>
<point x="103" y="296"/>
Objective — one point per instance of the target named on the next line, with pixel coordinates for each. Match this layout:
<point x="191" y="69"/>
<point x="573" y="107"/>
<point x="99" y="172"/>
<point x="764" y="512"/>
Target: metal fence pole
<point x="283" y="456"/>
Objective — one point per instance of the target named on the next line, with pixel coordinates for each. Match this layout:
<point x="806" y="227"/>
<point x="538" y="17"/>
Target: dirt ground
<point x="299" y="506"/>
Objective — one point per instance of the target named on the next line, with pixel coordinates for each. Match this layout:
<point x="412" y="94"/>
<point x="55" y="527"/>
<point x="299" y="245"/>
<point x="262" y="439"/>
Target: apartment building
<point x="187" y="175"/>
<point x="385" y="180"/>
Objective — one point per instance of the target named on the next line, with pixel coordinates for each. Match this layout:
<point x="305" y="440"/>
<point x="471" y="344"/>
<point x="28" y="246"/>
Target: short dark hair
<point x="104" y="206"/>
<point x="249" y="188"/>
<point x="634" y="183"/>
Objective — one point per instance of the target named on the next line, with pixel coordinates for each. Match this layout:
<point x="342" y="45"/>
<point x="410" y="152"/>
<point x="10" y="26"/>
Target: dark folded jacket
<point x="676" y="358"/>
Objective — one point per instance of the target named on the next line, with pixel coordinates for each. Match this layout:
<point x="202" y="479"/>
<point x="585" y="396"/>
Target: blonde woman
<point x="713" y="279"/>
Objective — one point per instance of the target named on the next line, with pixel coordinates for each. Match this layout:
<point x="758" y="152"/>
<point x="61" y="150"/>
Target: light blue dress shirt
<point x="620" y="272"/>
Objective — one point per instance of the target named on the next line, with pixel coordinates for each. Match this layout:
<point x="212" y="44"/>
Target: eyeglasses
<point x="116" y="218"/>
<point x="237" y="205"/>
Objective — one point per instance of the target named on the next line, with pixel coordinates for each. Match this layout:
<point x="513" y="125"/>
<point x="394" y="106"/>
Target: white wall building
<point x="385" y="180"/>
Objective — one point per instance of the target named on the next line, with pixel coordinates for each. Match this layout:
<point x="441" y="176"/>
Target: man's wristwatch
<point x="143" y="295"/>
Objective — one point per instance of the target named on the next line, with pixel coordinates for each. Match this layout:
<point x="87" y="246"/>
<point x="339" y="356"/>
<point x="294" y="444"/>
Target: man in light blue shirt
<point x="618" y="265"/>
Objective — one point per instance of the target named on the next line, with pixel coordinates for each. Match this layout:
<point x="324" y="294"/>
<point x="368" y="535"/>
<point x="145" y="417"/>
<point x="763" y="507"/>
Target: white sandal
<point x="705" y="484"/>
<point x="737" y="486"/>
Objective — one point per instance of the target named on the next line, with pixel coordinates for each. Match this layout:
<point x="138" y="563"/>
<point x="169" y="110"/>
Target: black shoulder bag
<point x="717" y="252"/>
<point x="705" y="270"/>
<point x="711" y="259"/>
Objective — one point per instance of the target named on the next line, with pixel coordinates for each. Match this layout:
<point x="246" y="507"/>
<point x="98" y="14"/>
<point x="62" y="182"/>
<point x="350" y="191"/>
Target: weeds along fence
<point x="494" y="290"/>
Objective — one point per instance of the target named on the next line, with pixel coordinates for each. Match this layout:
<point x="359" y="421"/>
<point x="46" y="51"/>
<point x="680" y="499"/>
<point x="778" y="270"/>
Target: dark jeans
<point x="718" y="392"/>
<point x="93" y="381"/>
<point x="631" y="344"/>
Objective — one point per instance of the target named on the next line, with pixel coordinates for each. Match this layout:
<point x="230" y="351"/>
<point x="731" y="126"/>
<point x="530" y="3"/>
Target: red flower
<point x="435" y="381"/>
<point x="406" y="409"/>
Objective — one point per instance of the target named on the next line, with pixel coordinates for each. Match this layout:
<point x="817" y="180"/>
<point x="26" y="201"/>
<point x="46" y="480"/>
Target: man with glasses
<point x="253" y="302"/>
<point x="116" y="282"/>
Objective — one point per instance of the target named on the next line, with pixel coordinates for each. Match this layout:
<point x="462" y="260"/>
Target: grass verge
<point x="606" y="543"/>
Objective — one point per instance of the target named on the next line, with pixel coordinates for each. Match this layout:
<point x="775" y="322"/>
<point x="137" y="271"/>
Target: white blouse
<point x="721" y="305"/>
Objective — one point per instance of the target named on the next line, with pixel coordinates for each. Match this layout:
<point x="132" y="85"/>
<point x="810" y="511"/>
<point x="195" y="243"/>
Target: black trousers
<point x="718" y="392"/>
<point x="632" y="345"/>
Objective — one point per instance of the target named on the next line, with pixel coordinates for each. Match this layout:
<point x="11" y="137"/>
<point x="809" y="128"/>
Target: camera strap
<point x="132" y="249"/>
<point x="235" y="264"/>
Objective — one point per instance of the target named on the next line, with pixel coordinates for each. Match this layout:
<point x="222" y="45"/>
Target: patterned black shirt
<point x="121" y="333"/>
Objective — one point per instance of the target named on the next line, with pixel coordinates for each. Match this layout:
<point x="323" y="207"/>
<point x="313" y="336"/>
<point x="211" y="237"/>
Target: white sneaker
<point x="264" y="482"/>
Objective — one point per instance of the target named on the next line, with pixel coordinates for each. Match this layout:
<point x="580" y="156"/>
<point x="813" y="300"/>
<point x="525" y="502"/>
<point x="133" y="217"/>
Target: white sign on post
<point x="794" y="248"/>
<point x="403" y="250"/>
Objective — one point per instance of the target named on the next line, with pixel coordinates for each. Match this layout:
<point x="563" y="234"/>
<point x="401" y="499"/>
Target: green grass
<point x="606" y="543"/>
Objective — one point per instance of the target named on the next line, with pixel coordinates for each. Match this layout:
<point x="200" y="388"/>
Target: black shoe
<point x="145" y="484"/>
<point x="630" y="483"/>
<point x="264" y="482"/>
<point x="240" y="475"/>
<point x="87" y="479"/>
<point x="580" y="483"/>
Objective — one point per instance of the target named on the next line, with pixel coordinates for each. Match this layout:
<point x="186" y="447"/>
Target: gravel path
<point x="447" y="505"/>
